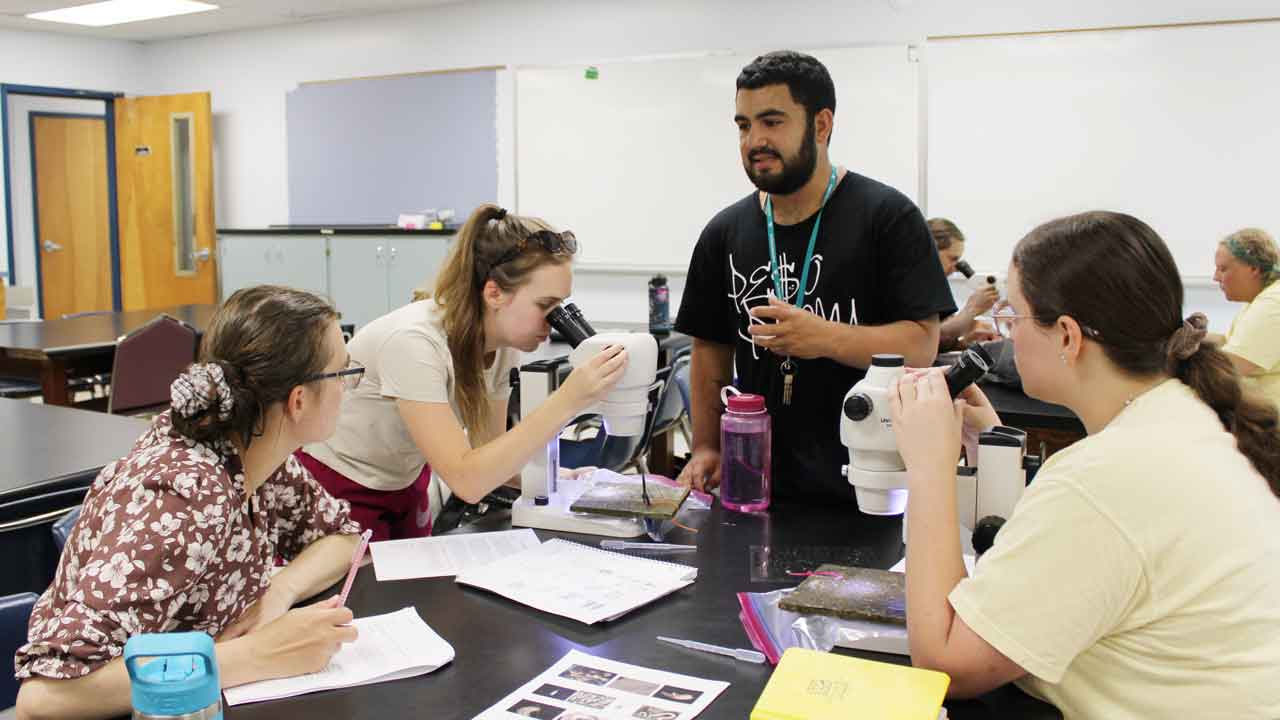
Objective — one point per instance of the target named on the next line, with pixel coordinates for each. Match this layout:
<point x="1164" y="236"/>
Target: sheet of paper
<point x="580" y="582"/>
<point x="388" y="647"/>
<point x="445" y="555"/>
<point x="584" y="687"/>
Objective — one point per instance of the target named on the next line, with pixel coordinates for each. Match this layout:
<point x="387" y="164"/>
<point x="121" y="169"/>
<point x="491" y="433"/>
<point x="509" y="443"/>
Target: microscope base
<point x="556" y="516"/>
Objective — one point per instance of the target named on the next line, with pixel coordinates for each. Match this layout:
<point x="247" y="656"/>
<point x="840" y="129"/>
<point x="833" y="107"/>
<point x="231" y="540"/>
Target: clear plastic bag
<point x="772" y="630"/>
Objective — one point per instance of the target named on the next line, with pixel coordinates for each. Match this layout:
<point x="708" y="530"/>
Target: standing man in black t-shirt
<point x="850" y="271"/>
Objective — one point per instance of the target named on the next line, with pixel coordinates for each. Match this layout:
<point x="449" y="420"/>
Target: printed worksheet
<point x="577" y="581"/>
<point x="585" y="687"/>
<point x="389" y="647"/>
<point x="446" y="554"/>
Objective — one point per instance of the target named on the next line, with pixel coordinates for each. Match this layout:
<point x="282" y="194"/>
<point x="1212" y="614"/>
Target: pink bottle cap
<point x="746" y="403"/>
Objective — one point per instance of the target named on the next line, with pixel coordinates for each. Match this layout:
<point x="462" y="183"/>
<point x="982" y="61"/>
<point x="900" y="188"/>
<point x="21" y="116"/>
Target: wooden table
<point x="51" y="351"/>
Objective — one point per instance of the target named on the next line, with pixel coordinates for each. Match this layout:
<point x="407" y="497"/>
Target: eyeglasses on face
<point x="350" y="376"/>
<point x="554" y="243"/>
<point x="1004" y="317"/>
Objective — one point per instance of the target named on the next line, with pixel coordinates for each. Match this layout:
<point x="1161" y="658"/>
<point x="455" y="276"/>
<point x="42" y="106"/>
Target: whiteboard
<point x="637" y="161"/>
<point x="1177" y="126"/>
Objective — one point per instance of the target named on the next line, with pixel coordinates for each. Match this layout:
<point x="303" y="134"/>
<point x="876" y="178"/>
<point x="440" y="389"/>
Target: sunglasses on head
<point x="554" y="243"/>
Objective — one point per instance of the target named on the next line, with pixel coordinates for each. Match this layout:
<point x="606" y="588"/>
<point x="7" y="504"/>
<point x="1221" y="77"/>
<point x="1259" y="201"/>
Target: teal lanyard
<point x="775" y="262"/>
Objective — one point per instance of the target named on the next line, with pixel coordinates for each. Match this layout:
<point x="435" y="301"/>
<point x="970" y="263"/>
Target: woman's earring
<point x="1063" y="358"/>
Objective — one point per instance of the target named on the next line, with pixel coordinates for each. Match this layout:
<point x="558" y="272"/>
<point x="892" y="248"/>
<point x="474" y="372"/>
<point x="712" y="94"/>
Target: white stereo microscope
<point x="545" y="497"/>
<point x="977" y="282"/>
<point x="987" y="488"/>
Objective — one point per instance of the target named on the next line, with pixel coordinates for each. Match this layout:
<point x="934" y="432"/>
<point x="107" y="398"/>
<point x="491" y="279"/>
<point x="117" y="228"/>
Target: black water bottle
<point x="659" y="305"/>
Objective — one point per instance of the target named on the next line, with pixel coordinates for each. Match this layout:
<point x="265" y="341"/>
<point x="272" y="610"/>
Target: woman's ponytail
<point x="1208" y="371"/>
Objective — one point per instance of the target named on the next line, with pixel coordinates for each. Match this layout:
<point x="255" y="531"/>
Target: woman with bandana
<point x="182" y="533"/>
<point x="1246" y="267"/>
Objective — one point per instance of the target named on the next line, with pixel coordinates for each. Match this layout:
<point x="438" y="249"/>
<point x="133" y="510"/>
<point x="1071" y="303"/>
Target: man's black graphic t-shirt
<point x="874" y="263"/>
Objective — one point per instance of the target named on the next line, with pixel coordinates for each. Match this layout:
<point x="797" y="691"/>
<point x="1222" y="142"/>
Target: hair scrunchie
<point x="198" y="389"/>
<point x="500" y="214"/>
<point x="1186" y="340"/>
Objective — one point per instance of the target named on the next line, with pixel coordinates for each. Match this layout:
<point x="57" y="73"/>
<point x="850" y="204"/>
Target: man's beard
<point x="796" y="170"/>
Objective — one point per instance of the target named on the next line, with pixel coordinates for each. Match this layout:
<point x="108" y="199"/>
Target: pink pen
<point x="356" y="557"/>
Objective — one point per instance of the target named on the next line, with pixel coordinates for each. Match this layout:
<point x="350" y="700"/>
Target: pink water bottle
<point x="746" y="434"/>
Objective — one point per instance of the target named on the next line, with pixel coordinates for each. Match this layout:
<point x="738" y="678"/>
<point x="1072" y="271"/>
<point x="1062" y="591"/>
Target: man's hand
<point x="792" y="332"/>
<point x="702" y="472"/>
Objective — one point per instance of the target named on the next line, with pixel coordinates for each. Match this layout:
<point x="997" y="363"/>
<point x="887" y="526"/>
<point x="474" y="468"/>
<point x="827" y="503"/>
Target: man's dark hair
<point x="807" y="79"/>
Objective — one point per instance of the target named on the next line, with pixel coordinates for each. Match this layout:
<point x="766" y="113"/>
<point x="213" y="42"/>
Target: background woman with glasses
<point x="182" y="533"/>
<point x="437" y="377"/>
<point x="1139" y="575"/>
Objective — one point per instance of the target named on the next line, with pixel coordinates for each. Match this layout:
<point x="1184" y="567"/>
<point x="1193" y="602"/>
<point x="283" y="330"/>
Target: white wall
<point x="249" y="72"/>
<point x="50" y="60"/>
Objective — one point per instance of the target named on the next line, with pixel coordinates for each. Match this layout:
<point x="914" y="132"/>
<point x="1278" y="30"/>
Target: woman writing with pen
<point x="182" y="533"/>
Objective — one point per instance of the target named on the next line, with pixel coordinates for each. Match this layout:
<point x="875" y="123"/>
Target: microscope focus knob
<point x="857" y="407"/>
<point x="984" y="533"/>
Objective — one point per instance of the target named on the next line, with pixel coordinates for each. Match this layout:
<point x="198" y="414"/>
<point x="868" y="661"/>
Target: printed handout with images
<point x="585" y="687"/>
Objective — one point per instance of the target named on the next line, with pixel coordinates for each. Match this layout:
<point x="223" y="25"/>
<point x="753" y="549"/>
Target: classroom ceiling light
<point x="118" y="12"/>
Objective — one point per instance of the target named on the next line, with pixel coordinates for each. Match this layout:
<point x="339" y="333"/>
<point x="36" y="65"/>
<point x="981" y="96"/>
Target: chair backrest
<point x="676" y="402"/>
<point x="616" y="452"/>
<point x="147" y="362"/>
<point x="15" y="614"/>
<point x="664" y="411"/>
<point x="61" y="527"/>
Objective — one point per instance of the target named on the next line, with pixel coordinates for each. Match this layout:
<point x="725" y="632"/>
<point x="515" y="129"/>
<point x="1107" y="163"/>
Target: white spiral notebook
<point x="580" y="582"/>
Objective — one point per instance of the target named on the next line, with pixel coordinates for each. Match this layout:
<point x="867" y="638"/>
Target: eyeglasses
<point x="350" y="376"/>
<point x="1004" y="317"/>
<point x="562" y="243"/>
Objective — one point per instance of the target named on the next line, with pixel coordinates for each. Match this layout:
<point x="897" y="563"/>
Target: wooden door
<point x="164" y="171"/>
<point x="73" y="226"/>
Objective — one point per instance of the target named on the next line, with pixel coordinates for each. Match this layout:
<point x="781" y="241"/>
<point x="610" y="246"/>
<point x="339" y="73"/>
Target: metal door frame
<point x="108" y="99"/>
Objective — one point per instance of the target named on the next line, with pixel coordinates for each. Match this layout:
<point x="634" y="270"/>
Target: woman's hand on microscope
<point x="926" y="425"/>
<point x="972" y="407"/>
<point x="589" y="383"/>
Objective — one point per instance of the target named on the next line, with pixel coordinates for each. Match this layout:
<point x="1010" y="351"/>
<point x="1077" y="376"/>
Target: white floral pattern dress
<point x="167" y="542"/>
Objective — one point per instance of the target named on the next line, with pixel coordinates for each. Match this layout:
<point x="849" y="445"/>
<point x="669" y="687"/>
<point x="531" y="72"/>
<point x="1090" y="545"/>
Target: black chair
<point x="622" y="453"/>
<point x="684" y="421"/>
<point x="15" y="614"/>
<point x="63" y="527"/>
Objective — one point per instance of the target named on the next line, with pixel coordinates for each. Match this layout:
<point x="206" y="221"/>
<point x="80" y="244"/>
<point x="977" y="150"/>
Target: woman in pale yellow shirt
<point x="1139" y="574"/>
<point x="1246" y="267"/>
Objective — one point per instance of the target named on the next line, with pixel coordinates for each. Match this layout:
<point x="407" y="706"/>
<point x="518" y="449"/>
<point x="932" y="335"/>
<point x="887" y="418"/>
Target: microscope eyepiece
<point x="965" y="268"/>
<point x="974" y="362"/>
<point x="567" y="320"/>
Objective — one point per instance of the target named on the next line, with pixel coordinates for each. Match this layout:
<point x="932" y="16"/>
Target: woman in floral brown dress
<point x="182" y="533"/>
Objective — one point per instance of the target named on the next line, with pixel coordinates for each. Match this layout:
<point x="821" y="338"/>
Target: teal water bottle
<point x="181" y="681"/>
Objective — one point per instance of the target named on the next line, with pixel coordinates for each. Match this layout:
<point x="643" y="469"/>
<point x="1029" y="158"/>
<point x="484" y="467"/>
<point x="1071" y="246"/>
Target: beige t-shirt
<point x="1255" y="336"/>
<point x="406" y="356"/>
<point x="1139" y="576"/>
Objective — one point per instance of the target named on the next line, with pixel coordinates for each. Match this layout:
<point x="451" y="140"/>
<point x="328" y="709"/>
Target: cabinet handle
<point x="392" y="261"/>
<point x="378" y="257"/>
